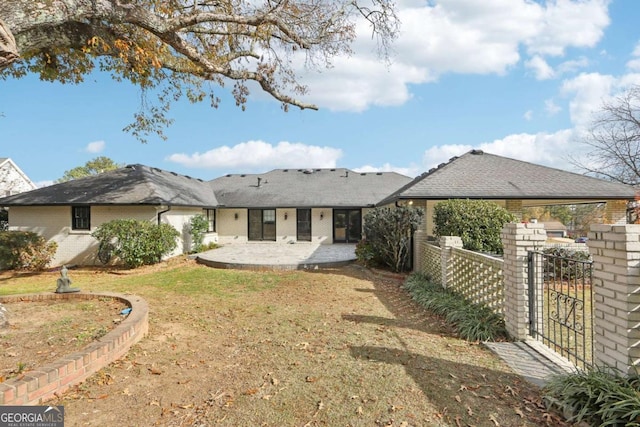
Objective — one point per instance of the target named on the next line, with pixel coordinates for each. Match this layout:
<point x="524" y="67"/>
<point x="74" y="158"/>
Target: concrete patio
<point x="277" y="256"/>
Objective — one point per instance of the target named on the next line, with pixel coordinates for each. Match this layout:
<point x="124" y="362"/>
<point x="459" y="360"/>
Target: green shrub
<point x="24" y="250"/>
<point x="567" y="264"/>
<point x="472" y="322"/>
<point x="137" y="242"/>
<point x="477" y="222"/>
<point x="599" y="396"/>
<point x="388" y="234"/>
<point x="198" y="227"/>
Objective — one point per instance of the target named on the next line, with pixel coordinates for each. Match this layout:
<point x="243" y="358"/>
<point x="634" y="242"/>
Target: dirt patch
<point x="40" y="332"/>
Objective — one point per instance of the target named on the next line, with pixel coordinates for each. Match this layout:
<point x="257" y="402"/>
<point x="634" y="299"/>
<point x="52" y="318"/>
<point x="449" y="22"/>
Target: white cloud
<point x="457" y="36"/>
<point x="551" y="107"/>
<point x="95" y="147"/>
<point x="262" y="155"/>
<point x="634" y="63"/>
<point x="528" y="116"/>
<point x="551" y="149"/>
<point x="413" y="170"/>
<point x="567" y="23"/>
<point x="541" y="69"/>
<point x="589" y="90"/>
<point x="45" y="183"/>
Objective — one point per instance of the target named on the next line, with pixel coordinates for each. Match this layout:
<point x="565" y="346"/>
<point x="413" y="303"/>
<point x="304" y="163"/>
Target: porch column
<point x="615" y="250"/>
<point x="616" y="212"/>
<point x="419" y="239"/>
<point x="447" y="244"/>
<point x="517" y="240"/>
<point x="514" y="207"/>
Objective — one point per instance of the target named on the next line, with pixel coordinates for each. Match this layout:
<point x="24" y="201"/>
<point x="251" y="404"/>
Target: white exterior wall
<point x="180" y="219"/>
<point x="54" y="224"/>
<point x="232" y="230"/>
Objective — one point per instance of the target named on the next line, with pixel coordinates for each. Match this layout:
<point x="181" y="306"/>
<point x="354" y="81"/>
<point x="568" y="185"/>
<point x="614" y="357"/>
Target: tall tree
<point x="175" y="46"/>
<point x="614" y="140"/>
<point x="92" y="167"/>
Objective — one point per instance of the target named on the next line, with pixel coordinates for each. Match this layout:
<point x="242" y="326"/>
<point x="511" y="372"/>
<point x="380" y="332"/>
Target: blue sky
<point x="518" y="78"/>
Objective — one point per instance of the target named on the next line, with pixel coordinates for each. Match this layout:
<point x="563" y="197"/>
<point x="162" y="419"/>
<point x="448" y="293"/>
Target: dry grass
<point x="344" y="347"/>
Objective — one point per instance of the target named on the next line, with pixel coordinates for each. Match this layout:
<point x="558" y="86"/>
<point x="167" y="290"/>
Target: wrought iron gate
<point x="560" y="309"/>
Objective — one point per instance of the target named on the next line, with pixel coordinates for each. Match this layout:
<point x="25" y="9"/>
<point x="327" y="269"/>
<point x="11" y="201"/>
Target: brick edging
<point x="47" y="381"/>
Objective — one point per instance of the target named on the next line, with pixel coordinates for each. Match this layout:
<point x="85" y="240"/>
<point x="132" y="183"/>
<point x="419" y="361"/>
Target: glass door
<point x="347" y="225"/>
<point x="303" y="218"/>
<point x="262" y="224"/>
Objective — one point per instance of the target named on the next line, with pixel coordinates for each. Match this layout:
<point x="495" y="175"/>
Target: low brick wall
<point x="43" y="383"/>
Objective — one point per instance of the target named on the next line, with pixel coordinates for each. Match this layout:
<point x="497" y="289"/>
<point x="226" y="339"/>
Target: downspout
<point x="161" y="212"/>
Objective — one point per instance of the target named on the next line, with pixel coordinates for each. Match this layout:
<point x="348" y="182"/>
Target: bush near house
<point x="388" y="234"/>
<point x="198" y="227"/>
<point x="25" y="250"/>
<point x="137" y="242"/>
<point x="477" y="222"/>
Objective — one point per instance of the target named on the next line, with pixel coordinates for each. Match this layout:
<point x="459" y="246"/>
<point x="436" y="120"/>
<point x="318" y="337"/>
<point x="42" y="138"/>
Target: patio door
<point x="262" y="224"/>
<point x="347" y="225"/>
<point x="303" y="225"/>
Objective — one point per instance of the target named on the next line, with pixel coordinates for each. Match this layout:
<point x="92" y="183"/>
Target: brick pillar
<point x="447" y="243"/>
<point x="517" y="240"/>
<point x="615" y="250"/>
<point x="616" y="212"/>
<point x="419" y="240"/>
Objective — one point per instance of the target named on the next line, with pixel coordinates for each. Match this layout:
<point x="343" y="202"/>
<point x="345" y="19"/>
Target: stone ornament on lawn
<point x="64" y="282"/>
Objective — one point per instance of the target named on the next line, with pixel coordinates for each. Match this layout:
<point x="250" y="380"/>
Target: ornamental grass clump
<point x="600" y="396"/>
<point x="472" y="322"/>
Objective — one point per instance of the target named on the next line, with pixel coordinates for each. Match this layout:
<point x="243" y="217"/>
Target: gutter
<point x="161" y="212"/>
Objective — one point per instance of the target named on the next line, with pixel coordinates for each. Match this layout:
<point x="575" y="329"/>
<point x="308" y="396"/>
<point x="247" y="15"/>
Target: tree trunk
<point x="4" y="321"/>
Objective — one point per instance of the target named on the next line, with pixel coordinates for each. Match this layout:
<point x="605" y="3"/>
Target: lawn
<point x="343" y="347"/>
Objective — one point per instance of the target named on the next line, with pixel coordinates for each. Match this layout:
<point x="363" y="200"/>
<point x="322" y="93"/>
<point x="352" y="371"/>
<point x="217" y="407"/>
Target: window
<point x="211" y="219"/>
<point x="80" y="218"/>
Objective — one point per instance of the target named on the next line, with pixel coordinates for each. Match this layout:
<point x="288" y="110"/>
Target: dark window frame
<point x="81" y="217"/>
<point x="210" y="214"/>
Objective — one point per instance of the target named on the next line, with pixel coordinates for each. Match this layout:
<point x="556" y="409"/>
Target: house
<point x="513" y="184"/>
<point x="285" y="205"/>
<point x="554" y="228"/>
<point x="12" y="179"/>
<point x="323" y="206"/>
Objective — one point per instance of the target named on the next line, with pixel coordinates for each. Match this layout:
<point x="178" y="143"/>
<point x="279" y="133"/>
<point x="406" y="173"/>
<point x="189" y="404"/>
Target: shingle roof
<point x="306" y="188"/>
<point x="479" y="175"/>
<point x="131" y="185"/>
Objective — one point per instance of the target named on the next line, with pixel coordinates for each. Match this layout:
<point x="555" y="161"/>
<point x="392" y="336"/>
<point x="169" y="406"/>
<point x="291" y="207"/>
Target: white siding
<point x="12" y="180"/>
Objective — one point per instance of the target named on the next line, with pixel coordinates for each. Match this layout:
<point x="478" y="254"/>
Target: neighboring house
<point x="287" y="205"/>
<point x="513" y="184"/>
<point x="554" y="228"/>
<point x="12" y="179"/>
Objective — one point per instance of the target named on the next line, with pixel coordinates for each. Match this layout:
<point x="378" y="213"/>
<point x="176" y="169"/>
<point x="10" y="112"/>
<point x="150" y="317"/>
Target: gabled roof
<point x="306" y="188"/>
<point x="131" y="185"/>
<point x="479" y="175"/>
<point x="15" y="167"/>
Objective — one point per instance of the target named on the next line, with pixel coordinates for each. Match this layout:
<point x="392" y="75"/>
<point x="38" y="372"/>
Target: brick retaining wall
<point x="43" y="383"/>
